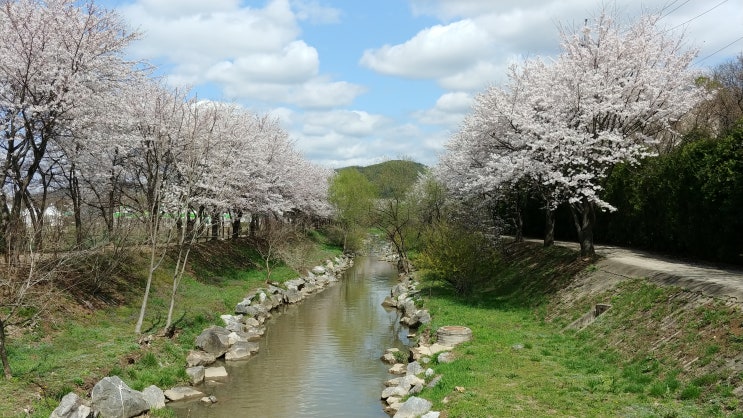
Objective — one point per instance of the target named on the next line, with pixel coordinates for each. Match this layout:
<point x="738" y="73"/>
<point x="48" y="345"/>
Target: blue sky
<point x="356" y="82"/>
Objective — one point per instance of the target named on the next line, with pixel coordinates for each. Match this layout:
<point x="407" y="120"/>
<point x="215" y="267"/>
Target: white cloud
<point x="178" y="8"/>
<point x="434" y="52"/>
<point x="204" y="34"/>
<point x="347" y="122"/>
<point x="315" y="12"/>
<point x="339" y="138"/>
<point x="449" y="111"/>
<point x="295" y="63"/>
<point x="483" y="36"/>
<point x="322" y="93"/>
<point x="248" y="53"/>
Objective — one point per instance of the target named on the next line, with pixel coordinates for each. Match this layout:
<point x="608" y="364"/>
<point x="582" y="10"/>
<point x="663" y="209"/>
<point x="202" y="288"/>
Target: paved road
<point x="717" y="282"/>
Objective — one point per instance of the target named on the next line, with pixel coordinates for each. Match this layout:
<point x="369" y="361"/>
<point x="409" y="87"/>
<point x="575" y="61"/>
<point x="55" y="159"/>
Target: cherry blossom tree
<point x="619" y="87"/>
<point x="54" y="56"/>
<point x="492" y="155"/>
<point x="565" y="123"/>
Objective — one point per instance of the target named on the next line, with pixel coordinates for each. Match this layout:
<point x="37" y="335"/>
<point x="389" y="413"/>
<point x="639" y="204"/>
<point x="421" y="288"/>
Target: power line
<point x="676" y="8"/>
<point x="731" y="43"/>
<point x="698" y="16"/>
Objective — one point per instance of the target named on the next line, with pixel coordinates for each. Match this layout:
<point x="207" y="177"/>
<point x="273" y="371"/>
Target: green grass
<point x="621" y="365"/>
<point x="76" y="347"/>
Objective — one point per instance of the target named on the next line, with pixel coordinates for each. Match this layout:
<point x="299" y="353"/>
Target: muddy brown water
<point x="318" y="358"/>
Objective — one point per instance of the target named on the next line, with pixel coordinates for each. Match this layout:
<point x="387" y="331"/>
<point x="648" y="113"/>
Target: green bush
<point x="456" y="255"/>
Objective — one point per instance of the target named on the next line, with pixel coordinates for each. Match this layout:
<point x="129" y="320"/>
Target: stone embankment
<point x="413" y="371"/>
<point x="235" y="341"/>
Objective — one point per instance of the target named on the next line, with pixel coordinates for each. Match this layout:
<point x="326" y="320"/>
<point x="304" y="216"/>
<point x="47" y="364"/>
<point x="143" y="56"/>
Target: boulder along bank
<point x="412" y="370"/>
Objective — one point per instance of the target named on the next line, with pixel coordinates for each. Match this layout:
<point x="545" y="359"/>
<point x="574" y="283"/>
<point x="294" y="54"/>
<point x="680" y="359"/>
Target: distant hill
<point x="391" y="175"/>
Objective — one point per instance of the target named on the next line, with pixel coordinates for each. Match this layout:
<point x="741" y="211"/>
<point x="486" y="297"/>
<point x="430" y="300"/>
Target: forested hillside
<point x="384" y="174"/>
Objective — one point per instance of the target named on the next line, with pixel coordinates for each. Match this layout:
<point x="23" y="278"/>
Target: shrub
<point x="457" y="255"/>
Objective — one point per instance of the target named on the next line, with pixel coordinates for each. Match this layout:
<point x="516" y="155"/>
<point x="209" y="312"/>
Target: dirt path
<point x="620" y="264"/>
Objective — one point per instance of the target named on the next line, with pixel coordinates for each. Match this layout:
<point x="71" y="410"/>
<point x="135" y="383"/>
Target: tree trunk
<point x="216" y="224"/>
<point x="180" y="267"/>
<point x="154" y="228"/>
<point x="253" y="225"/>
<point x="518" y="221"/>
<point x="549" y="227"/>
<point x="584" y="216"/>
<point x="190" y="224"/>
<point x="236" y="221"/>
<point x="146" y="296"/>
<point x="74" y="189"/>
<point x="3" y="352"/>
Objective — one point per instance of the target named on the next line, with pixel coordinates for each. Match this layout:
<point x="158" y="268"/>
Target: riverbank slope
<point x="658" y="350"/>
<point x="84" y="335"/>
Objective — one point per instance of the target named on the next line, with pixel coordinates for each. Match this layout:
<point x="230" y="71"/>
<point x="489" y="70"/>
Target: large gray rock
<point x="214" y="340"/>
<point x="310" y="287"/>
<point x="295" y="284"/>
<point x="398" y="290"/>
<point x="293" y="296"/>
<point x="409" y="308"/>
<point x="394" y="391"/>
<point x="424" y="317"/>
<point x="154" y="396"/>
<point x="72" y="406"/>
<point x="409" y="381"/>
<point x="414" y="407"/>
<point x="251" y="322"/>
<point x="414" y="368"/>
<point x="200" y="358"/>
<point x="389" y="302"/>
<point x="242" y="306"/>
<point x="233" y="323"/>
<point x="256" y="311"/>
<point x="271" y="301"/>
<point x="215" y="374"/>
<point x="195" y="374"/>
<point x="397" y="368"/>
<point x="254" y="333"/>
<point x="114" y="399"/>
<point x="182" y="393"/>
<point x="241" y="351"/>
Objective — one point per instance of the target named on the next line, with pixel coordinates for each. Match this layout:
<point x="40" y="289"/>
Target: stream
<point x="318" y="358"/>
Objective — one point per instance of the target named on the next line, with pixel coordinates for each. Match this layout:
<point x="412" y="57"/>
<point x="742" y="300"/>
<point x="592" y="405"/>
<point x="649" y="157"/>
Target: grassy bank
<point x="658" y="352"/>
<point x="84" y="336"/>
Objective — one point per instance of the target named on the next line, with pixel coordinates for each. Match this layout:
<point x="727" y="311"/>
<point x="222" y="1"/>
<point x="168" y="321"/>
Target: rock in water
<point x="114" y="399"/>
<point x="182" y="393"/>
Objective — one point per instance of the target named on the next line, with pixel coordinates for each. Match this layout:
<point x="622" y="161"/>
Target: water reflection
<point x="319" y="358"/>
